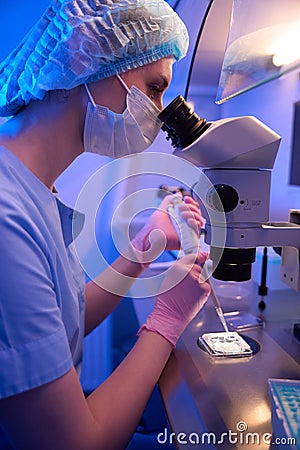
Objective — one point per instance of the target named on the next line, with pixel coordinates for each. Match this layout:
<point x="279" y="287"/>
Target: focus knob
<point x="223" y="197"/>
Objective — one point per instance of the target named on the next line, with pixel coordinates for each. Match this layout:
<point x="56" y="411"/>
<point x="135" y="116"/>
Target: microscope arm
<point x="274" y="234"/>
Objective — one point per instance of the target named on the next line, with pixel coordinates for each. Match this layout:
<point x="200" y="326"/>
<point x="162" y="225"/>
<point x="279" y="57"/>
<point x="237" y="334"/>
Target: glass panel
<point x="206" y="64"/>
<point x="193" y="22"/>
<point x="263" y="44"/>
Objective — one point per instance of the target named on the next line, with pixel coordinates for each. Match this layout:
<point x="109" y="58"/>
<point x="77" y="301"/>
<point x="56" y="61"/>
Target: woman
<point x="89" y="77"/>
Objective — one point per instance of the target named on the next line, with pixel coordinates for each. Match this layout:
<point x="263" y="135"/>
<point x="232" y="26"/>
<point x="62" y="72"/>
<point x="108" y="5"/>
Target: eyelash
<point x="154" y="90"/>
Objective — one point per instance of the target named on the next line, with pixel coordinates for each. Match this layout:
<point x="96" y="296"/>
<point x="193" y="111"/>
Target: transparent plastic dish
<point x="225" y="344"/>
<point x="239" y="320"/>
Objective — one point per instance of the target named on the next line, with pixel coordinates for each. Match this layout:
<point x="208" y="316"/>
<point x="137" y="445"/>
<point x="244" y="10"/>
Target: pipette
<point x="218" y="308"/>
<point x="190" y="244"/>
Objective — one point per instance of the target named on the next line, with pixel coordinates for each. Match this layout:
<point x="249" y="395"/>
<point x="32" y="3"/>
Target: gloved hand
<point x="159" y="234"/>
<point x="184" y="292"/>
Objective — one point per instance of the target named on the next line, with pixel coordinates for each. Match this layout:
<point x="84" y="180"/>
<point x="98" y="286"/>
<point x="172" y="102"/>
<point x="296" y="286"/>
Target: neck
<point x="47" y="135"/>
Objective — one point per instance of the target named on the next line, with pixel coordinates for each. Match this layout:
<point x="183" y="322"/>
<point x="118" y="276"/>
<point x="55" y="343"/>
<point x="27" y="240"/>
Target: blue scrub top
<point x="41" y="282"/>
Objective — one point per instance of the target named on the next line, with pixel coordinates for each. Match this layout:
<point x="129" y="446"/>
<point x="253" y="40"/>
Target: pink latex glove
<point x="180" y="300"/>
<point x="159" y="233"/>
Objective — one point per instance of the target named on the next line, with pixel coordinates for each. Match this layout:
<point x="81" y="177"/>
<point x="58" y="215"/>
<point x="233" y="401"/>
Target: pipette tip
<point x="221" y="317"/>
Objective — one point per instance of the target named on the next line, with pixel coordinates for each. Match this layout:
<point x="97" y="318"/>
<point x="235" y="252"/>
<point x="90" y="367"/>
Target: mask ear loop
<point x="123" y="83"/>
<point x="89" y="95"/>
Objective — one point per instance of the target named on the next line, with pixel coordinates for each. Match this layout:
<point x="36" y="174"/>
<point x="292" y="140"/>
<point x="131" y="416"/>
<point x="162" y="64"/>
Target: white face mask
<point x="116" y="135"/>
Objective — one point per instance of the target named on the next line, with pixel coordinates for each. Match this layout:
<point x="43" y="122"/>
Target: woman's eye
<point x="154" y="91"/>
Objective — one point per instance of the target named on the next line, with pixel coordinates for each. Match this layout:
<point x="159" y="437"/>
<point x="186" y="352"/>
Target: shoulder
<point x="27" y="206"/>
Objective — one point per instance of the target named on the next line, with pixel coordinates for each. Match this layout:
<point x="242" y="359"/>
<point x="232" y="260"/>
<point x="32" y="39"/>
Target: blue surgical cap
<point x="80" y="41"/>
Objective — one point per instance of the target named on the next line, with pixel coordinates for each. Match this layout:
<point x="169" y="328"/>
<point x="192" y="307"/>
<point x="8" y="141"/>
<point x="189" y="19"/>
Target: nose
<point x="159" y="103"/>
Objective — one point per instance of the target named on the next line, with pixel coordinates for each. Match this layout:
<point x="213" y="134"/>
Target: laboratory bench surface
<point x="225" y="403"/>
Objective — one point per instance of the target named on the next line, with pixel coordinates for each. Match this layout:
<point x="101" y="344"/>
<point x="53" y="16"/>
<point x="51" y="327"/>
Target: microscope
<point x="237" y="155"/>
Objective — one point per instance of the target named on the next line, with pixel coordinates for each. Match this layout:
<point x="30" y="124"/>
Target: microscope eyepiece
<point x="181" y="124"/>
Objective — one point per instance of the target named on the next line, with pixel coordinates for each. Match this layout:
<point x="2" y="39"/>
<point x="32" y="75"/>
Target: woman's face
<point x="152" y="79"/>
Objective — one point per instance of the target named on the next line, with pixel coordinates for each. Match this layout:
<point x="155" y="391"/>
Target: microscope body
<point x="245" y="198"/>
<point x="237" y="156"/>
